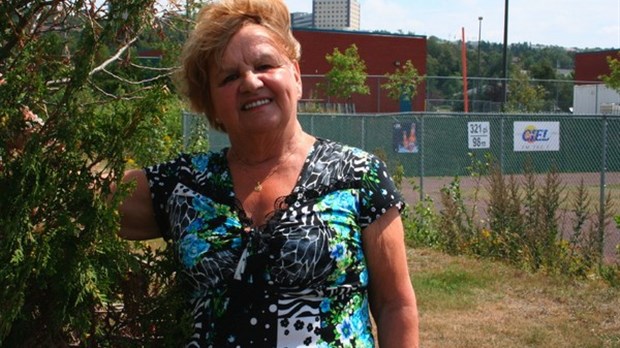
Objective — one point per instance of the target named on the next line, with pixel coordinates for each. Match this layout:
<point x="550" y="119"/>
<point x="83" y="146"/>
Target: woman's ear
<point x="297" y="73"/>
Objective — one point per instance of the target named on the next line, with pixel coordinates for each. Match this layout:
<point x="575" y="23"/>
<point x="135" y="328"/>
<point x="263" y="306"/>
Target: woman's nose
<point x="251" y="81"/>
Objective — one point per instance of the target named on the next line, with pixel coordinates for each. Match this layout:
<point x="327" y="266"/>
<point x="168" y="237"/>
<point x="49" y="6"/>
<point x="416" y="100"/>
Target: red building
<point x="382" y="53"/>
<point x="589" y="66"/>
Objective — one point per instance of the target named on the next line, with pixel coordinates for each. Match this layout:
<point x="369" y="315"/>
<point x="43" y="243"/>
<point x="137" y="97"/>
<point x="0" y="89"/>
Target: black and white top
<point x="299" y="280"/>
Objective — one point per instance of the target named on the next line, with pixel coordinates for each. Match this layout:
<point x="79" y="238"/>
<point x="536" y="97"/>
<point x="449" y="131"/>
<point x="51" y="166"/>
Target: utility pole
<point x="505" y="57"/>
<point x="478" y="72"/>
<point x="479" y="37"/>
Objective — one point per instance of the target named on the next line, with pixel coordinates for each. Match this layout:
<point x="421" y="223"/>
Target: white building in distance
<point x="302" y="20"/>
<point x="336" y="14"/>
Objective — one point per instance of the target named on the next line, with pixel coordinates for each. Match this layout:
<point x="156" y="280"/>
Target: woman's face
<point x="256" y="87"/>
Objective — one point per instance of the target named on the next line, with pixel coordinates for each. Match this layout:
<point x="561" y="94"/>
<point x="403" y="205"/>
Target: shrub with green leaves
<point x="522" y="224"/>
<point x="66" y="278"/>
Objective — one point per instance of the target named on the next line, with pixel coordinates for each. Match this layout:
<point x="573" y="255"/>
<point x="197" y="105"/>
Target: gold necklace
<point x="259" y="187"/>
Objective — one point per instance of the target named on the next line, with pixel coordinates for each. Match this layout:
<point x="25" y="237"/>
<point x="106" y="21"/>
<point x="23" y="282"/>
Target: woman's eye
<point x="264" y="67"/>
<point x="229" y="78"/>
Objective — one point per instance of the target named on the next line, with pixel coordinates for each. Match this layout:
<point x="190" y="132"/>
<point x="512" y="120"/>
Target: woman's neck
<point x="257" y="150"/>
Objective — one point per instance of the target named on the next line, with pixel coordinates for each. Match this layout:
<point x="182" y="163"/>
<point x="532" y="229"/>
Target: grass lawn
<point x="466" y="302"/>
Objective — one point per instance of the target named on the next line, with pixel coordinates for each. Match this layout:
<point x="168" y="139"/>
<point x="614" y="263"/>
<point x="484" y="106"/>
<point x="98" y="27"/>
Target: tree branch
<point x="141" y="82"/>
<point x="113" y="58"/>
<point x="170" y="69"/>
<point x="129" y="96"/>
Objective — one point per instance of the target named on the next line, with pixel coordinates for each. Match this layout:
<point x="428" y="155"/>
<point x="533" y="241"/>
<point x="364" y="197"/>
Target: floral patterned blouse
<point x="299" y="280"/>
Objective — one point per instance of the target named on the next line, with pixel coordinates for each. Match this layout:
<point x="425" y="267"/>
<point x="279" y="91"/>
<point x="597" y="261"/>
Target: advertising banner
<point x="536" y="136"/>
<point x="405" y="138"/>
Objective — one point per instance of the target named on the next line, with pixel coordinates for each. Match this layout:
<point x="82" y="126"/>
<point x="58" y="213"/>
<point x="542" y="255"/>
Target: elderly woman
<point x="286" y="240"/>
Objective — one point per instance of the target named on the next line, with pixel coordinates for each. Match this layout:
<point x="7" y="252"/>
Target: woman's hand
<point x="137" y="215"/>
<point x="15" y="144"/>
<point x="32" y="123"/>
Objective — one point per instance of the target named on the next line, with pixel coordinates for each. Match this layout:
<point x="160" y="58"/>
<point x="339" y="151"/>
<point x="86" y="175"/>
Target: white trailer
<point x="595" y="99"/>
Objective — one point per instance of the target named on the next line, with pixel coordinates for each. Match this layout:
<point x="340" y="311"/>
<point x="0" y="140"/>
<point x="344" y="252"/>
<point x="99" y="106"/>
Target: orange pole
<point x="464" y="59"/>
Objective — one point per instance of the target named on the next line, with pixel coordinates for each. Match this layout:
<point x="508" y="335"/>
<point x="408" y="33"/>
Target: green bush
<point x="66" y="278"/>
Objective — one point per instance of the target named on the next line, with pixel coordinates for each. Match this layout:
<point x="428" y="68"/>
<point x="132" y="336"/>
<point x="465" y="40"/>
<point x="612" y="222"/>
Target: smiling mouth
<point x="255" y="104"/>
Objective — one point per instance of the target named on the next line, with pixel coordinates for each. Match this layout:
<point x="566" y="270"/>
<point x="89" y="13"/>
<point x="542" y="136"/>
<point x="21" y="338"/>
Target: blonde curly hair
<point x="216" y="24"/>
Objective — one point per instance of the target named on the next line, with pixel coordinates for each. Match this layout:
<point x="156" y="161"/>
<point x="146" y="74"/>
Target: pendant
<point x="258" y="187"/>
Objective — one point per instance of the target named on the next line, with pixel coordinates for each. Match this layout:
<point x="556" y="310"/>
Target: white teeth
<point x="256" y="104"/>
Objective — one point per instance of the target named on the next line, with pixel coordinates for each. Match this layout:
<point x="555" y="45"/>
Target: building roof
<point x="360" y="32"/>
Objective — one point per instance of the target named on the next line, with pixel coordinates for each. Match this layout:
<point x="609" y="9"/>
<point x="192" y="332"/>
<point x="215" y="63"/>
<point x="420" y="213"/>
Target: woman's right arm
<point x="137" y="214"/>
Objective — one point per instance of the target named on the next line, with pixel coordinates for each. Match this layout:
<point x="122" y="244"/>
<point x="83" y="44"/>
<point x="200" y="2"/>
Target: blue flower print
<point x="196" y="225"/>
<point x="191" y="248"/>
<point x="342" y="200"/>
<point x="357" y="322"/>
<point x="359" y="251"/>
<point x="338" y="252"/>
<point x="219" y="231"/>
<point x="204" y="206"/>
<point x="345" y="330"/>
<point x="341" y="279"/>
<point x="201" y="162"/>
<point x="232" y="222"/>
<point x="325" y="305"/>
<point x="364" y="277"/>
<point x="236" y="243"/>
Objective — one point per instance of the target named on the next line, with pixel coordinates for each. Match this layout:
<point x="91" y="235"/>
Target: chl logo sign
<point x="536" y="136"/>
<point x="532" y="135"/>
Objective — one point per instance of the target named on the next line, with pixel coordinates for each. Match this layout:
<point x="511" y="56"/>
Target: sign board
<point x="479" y="135"/>
<point x="536" y="136"/>
<point x="405" y="137"/>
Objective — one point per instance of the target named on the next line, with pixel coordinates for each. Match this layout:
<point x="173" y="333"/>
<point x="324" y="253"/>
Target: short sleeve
<point x="378" y="192"/>
<point x="163" y="178"/>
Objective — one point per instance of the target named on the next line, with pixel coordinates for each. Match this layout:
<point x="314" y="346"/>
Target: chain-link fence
<point x="433" y="148"/>
<point x="445" y="94"/>
<point x="485" y="94"/>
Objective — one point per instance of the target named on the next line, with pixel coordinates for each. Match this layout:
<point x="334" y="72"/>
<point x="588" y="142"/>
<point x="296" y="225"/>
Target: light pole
<point x="505" y="57"/>
<point x="479" y="81"/>
<point x="479" y="36"/>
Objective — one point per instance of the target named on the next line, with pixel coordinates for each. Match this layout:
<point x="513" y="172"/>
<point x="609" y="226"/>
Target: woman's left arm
<point x="392" y="299"/>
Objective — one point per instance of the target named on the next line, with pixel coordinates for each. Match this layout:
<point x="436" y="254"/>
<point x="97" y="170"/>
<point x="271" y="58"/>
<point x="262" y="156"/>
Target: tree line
<point x="540" y="78"/>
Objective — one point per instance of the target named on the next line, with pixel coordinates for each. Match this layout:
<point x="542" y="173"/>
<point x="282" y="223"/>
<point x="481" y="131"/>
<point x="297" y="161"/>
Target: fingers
<point x="32" y="119"/>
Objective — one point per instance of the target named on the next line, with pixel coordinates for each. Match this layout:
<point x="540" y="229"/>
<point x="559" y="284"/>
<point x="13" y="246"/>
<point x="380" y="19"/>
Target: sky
<point x="583" y="24"/>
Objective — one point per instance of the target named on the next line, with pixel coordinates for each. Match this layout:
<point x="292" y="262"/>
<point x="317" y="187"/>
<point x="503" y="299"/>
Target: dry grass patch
<point x="465" y="302"/>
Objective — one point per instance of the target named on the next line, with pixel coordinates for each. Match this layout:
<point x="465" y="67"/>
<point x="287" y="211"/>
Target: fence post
<point x="604" y="144"/>
<point x="363" y="140"/>
<point x="501" y="140"/>
<point x="378" y="95"/>
<point x="421" y="147"/>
